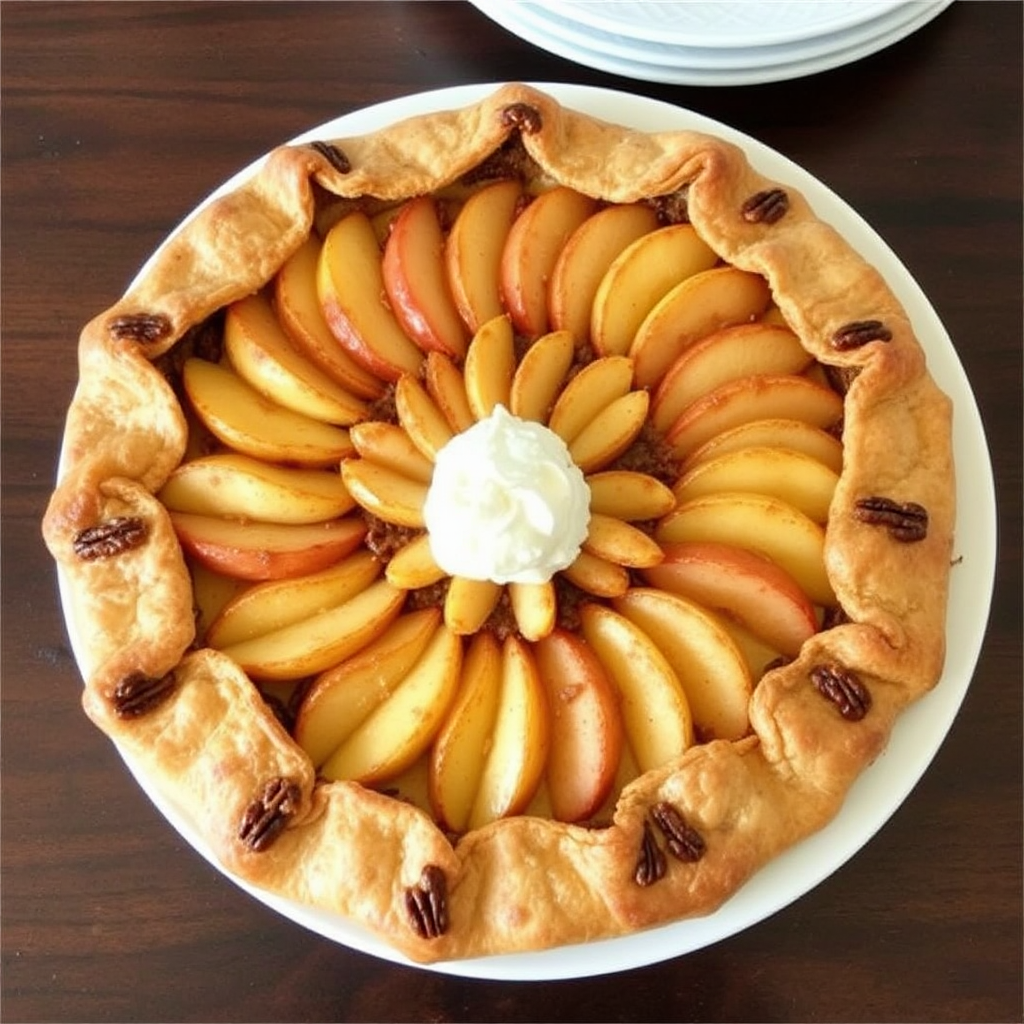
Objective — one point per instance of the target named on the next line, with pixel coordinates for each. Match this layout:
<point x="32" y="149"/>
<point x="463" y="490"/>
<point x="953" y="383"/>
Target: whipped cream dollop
<point x="506" y="502"/>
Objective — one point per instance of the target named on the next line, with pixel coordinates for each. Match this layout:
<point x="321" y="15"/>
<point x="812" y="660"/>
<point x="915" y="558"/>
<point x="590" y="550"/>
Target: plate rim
<point x="933" y="713"/>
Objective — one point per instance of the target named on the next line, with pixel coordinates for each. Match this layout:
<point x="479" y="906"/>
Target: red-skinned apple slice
<point x="297" y="306"/>
<point x="739" y="351"/>
<point x="417" y="283"/>
<point x="586" y="729"/>
<point x="711" y="668"/>
<point x="531" y="250"/>
<point x="473" y="251"/>
<point x="585" y="259"/>
<point x="350" y="285"/>
<point x="266" y="551"/>
<point x="743" y="585"/>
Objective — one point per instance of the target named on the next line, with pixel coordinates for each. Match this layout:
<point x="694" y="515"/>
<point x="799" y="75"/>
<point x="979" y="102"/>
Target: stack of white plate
<point x="720" y="42"/>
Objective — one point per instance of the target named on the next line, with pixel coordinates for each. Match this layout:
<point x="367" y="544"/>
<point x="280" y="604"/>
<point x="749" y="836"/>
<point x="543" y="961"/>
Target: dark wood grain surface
<point x="117" y="119"/>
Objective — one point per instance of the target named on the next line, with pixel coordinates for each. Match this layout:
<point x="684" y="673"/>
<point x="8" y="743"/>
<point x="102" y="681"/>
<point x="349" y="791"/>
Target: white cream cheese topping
<point x="506" y="502"/>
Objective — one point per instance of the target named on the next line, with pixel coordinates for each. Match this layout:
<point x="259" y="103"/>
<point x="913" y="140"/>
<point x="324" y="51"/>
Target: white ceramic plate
<point x="672" y="65"/>
<point x="920" y="730"/>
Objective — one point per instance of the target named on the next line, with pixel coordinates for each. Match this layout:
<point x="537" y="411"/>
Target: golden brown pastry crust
<point x="213" y="746"/>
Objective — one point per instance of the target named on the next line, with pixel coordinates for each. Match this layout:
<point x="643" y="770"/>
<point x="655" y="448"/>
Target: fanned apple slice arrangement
<point x="707" y="436"/>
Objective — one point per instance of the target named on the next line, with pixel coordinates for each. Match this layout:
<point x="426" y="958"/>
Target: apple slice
<point x="588" y="394"/>
<point x="389" y="446"/>
<point x="246" y="421"/>
<point x="473" y="251"/>
<point x="757" y="523"/>
<point x="740" y="351"/>
<point x="711" y="668"/>
<point x="404" y="724"/>
<point x="628" y="495"/>
<point x="619" y="542"/>
<point x="757" y="654"/>
<point x="297" y="306"/>
<point x="229" y="484"/>
<point x="460" y="749"/>
<point x="490" y="363"/>
<point x="412" y="566"/>
<point x="597" y="575"/>
<point x="420" y="417"/>
<point x="540" y="376"/>
<point x="585" y="259"/>
<point x="263" y="355"/>
<point x="642" y="274"/>
<point x="753" y="398"/>
<point x="416" y="280"/>
<point x="212" y="591"/>
<point x="655" y="712"/>
<point x="534" y="607"/>
<point x="520" y="740"/>
<point x="311" y="645"/>
<point x="385" y="492"/>
<point x="743" y="585"/>
<point x="531" y="250"/>
<point x="773" y="433"/>
<point x="797" y="479"/>
<point x="266" y="551"/>
<point x="446" y="386"/>
<point x="693" y="309"/>
<point x="469" y="603"/>
<point x="265" y="607"/>
<point x="586" y="728"/>
<point x="350" y="285"/>
<point x="611" y="432"/>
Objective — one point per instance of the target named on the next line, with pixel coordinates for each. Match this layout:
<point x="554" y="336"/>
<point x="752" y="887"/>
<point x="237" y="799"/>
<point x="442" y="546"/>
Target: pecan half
<point x="859" y="332"/>
<point x="145" y="328"/>
<point x="844" y="689"/>
<point x="684" y="842"/>
<point x="650" y="864"/>
<point x="522" y="116"/>
<point x="122" y="533"/>
<point x="333" y="155"/>
<point x="138" y="693"/>
<point x="907" y="522"/>
<point x="265" y="818"/>
<point x="426" y="903"/>
<point x="765" y="207"/>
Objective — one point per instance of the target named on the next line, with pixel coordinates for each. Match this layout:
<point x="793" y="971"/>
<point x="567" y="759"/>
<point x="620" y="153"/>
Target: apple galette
<point x="505" y="529"/>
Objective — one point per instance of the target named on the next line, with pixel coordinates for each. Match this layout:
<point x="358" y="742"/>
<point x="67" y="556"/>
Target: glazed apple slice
<point x="540" y="375"/>
<point x="753" y="398"/>
<point x="388" y="445"/>
<point x="246" y="421"/>
<point x="795" y="435"/>
<point x="711" y="668"/>
<point x="404" y="724"/>
<point x="628" y="495"/>
<point x="761" y="524"/>
<point x="313" y="644"/>
<point x="611" y="432"/>
<point x="795" y="478"/>
<point x="230" y="484"/>
<point x="297" y="307"/>
<point x="534" y="607"/>
<point x="489" y="366"/>
<point x="343" y="697"/>
<point x="743" y="350"/>
<point x="619" y="542"/>
<point x="266" y="551"/>
<point x="585" y="259"/>
<point x="597" y="575"/>
<point x="412" y="566"/>
<point x="265" y="607"/>
<point x="588" y="394"/>
<point x="520" y="741"/>
<point x="445" y="385"/>
<point x="385" y="492"/>
<point x="420" y="417"/>
<point x="655" y="713"/>
<point x="642" y="274"/>
<point x="263" y="355"/>
<point x="350" y="285"/>
<point x="586" y="729"/>
<point x="416" y="280"/>
<point x="759" y="656"/>
<point x="460" y="749"/>
<point x="473" y="251"/>
<point x="532" y="248"/>
<point x="469" y="603"/>
<point x="693" y="309"/>
<point x="742" y="584"/>
<point x="212" y="591"/>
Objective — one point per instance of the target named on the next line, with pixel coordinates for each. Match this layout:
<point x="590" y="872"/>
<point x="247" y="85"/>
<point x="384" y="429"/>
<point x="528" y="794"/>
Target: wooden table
<point x="117" y="119"/>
